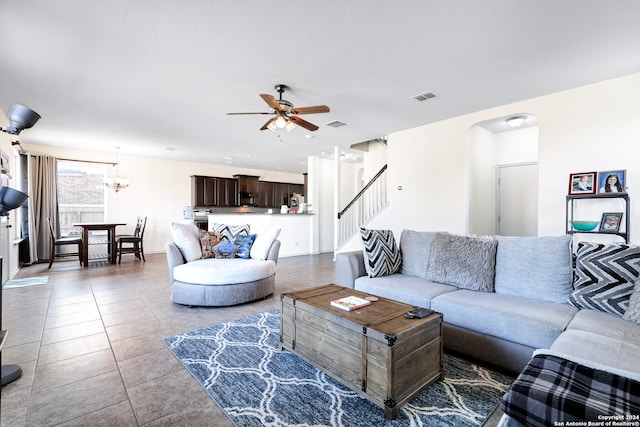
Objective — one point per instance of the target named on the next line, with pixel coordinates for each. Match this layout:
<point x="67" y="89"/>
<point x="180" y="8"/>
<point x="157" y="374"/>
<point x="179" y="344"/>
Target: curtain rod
<point x="87" y="161"/>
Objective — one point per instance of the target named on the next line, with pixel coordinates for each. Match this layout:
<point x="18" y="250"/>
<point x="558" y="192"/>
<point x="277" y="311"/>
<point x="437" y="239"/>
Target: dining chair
<point x="57" y="242"/>
<point x="135" y="241"/>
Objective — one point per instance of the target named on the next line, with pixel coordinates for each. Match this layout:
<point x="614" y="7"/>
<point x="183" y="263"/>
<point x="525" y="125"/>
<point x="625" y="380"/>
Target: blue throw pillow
<point x="244" y="243"/>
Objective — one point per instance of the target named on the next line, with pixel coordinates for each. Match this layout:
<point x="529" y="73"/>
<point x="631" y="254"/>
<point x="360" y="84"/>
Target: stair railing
<point x="363" y="207"/>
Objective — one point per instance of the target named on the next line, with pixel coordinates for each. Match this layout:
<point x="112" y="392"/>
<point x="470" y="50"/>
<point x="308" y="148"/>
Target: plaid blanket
<point x="552" y="389"/>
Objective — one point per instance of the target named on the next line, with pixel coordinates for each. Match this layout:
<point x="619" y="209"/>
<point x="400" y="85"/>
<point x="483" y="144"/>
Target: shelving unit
<point x="570" y="209"/>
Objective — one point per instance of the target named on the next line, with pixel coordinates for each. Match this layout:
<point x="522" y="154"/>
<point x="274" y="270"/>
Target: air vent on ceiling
<point x="425" y="96"/>
<point x="336" y="124"/>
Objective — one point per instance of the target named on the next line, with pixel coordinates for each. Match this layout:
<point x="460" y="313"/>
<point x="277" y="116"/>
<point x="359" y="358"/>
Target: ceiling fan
<point x="285" y="114"/>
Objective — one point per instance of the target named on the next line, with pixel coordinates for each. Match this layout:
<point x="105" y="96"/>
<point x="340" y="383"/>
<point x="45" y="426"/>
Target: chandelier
<point x="117" y="182"/>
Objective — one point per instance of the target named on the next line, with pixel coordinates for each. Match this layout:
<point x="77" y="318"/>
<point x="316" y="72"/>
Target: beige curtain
<point x="43" y="204"/>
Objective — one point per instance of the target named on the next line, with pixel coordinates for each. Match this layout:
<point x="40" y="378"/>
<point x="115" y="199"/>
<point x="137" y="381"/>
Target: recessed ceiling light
<point x="170" y="149"/>
<point x="308" y="136"/>
<point x="229" y="158"/>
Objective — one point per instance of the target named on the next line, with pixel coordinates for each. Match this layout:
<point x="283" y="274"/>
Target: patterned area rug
<point x="241" y="367"/>
<point x="28" y="281"/>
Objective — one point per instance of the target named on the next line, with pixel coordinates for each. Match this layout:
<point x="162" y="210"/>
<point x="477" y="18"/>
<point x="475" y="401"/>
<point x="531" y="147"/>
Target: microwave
<point x="249" y="199"/>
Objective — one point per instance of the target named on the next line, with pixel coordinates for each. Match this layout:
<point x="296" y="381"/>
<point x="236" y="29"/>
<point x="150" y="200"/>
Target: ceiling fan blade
<point x="264" y="127"/>
<point x="305" y="124"/>
<point x="311" y="110"/>
<point x="270" y="100"/>
<point x="235" y="114"/>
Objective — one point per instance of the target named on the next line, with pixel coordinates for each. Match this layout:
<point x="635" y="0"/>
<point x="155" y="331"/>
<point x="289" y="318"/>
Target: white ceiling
<point x="150" y="76"/>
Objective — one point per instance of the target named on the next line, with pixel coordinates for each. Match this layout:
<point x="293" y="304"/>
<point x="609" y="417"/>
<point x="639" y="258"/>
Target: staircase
<point x="363" y="208"/>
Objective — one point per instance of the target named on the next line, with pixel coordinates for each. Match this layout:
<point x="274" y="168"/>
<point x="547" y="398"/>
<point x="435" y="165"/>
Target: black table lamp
<point x="10" y="199"/>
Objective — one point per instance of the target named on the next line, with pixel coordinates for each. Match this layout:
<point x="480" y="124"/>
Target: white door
<point x="517" y="200"/>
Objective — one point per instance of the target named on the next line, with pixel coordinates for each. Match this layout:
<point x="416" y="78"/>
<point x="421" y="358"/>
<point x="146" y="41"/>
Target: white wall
<point x="590" y="128"/>
<point x="482" y="181"/>
<point x="374" y="159"/>
<point x="325" y="208"/>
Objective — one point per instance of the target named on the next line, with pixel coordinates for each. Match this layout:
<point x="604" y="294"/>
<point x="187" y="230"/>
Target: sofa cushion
<point x="534" y="267"/>
<point x="467" y="262"/>
<point x="633" y="312"/>
<point x="607" y="324"/>
<point x="415" y="247"/>
<point x="404" y="288"/>
<point x="596" y="348"/>
<point x="605" y="275"/>
<point x="223" y="271"/>
<point x="264" y="239"/>
<point x="381" y="255"/>
<point x="208" y="239"/>
<point x="230" y="231"/>
<point x="244" y="243"/>
<point x="520" y="320"/>
<point x="187" y="239"/>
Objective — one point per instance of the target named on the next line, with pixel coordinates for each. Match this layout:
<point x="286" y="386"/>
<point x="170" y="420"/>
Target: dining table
<point x="109" y="227"/>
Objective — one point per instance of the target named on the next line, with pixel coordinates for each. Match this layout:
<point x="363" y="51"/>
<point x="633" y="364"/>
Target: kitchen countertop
<point x="202" y="213"/>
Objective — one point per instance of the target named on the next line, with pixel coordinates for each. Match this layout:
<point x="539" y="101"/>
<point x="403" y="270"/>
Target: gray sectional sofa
<point x="505" y="298"/>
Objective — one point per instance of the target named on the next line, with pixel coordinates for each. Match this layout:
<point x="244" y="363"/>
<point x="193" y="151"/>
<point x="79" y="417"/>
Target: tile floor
<point x="90" y="343"/>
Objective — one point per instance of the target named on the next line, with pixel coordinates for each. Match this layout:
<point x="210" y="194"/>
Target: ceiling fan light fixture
<point x="280" y="122"/>
<point x="516" y="121"/>
<point x="290" y="126"/>
<point x="285" y="115"/>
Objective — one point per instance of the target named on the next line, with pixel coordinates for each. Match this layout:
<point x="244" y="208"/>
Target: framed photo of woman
<point x="612" y="182"/>
<point x="582" y="183"/>
<point x="610" y="222"/>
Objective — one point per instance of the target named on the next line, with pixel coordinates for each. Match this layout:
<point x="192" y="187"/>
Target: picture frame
<point x="582" y="183"/>
<point x="610" y="222"/>
<point x="607" y="181"/>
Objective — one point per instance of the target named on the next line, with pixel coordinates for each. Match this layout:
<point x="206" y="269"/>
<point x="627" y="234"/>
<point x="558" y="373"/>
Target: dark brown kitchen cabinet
<point x="248" y="183"/>
<point x="272" y="194"/>
<point x="203" y="190"/>
<point x="212" y="191"/>
<point x="265" y="191"/>
<point x="297" y="188"/>
<point x="227" y="192"/>
<point x="282" y="193"/>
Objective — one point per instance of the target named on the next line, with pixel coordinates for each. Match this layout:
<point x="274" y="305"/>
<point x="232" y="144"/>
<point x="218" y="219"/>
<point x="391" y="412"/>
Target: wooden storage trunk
<point x="373" y="350"/>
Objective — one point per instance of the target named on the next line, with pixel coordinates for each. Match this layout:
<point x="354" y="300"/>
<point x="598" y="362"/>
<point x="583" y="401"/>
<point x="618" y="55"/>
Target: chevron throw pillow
<point x="633" y="312"/>
<point x="604" y="276"/>
<point x="230" y="231"/>
<point x="381" y="255"/>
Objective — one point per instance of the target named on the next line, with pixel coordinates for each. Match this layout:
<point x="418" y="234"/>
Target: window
<point x="80" y="194"/>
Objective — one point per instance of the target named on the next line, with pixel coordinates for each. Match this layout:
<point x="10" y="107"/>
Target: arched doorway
<point x="503" y="178"/>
